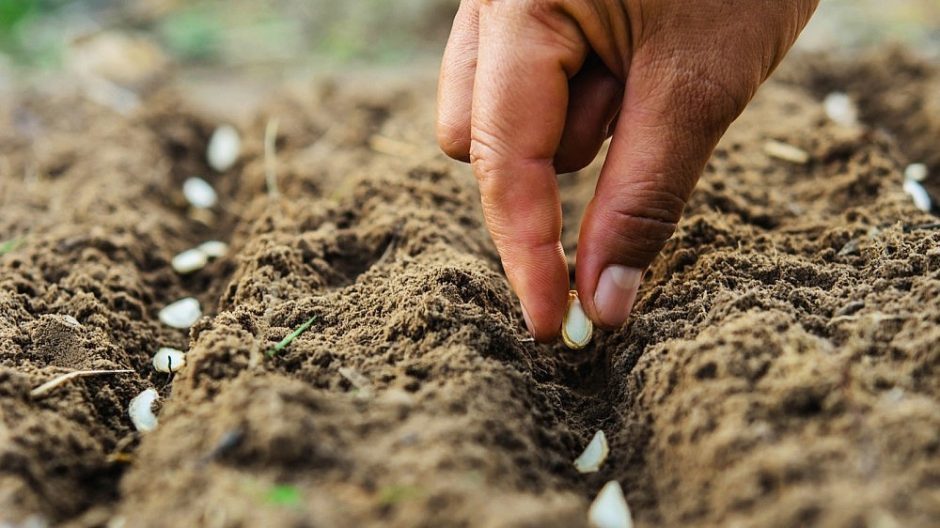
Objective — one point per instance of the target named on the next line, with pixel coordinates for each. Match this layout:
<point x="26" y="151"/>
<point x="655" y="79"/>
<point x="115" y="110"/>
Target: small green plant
<point x="292" y="336"/>
<point x="397" y="493"/>
<point x="283" y="495"/>
<point x="9" y="245"/>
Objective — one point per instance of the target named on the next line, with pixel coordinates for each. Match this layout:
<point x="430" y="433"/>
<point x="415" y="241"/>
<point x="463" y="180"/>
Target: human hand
<point x="529" y="88"/>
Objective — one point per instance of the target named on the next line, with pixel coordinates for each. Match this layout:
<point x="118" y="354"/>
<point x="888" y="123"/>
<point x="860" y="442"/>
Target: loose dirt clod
<point x="224" y="148"/>
<point x="47" y="387"/>
<point x="181" y="314"/>
<point x="141" y="411"/>
<point x="594" y="454"/>
<point x="168" y="360"/>
<point x="576" y="328"/>
<point x="609" y="509"/>
<point x="786" y="152"/>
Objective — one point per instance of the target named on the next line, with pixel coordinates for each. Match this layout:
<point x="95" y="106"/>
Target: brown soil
<point x="781" y="367"/>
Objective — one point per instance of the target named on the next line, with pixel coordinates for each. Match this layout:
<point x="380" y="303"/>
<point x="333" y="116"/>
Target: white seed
<point x="785" y="152"/>
<point x="214" y="249"/>
<point x="841" y="109"/>
<point x="168" y="360"/>
<point x="609" y="509"/>
<point x="189" y="261"/>
<point x="199" y="193"/>
<point x="141" y="411"/>
<point x="576" y="328"/>
<point x="916" y="172"/>
<point x="917" y="193"/>
<point x="71" y="321"/>
<point x="224" y="148"/>
<point x="181" y="314"/>
<point x="594" y="454"/>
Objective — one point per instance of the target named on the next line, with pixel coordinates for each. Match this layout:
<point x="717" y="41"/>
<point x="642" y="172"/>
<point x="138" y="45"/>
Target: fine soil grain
<point x="780" y="367"/>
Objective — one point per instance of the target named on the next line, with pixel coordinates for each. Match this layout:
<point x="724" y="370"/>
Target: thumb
<point x="672" y="116"/>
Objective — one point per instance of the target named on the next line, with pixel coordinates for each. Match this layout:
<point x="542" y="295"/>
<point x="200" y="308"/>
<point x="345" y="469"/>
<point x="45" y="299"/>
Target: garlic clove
<point x="168" y="360"/>
<point x="786" y="152"/>
<point x="609" y="509"/>
<point x="181" y="314"/>
<point x="213" y="249"/>
<point x="594" y="454"/>
<point x="189" y="261"/>
<point x="576" y="328"/>
<point x="841" y="109"/>
<point x="917" y="193"/>
<point x="141" y="411"/>
<point x="224" y="148"/>
<point x="916" y="172"/>
<point x="199" y="193"/>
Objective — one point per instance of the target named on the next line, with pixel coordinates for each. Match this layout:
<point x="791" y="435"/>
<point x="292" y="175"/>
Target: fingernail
<point x="528" y="321"/>
<point x="615" y="294"/>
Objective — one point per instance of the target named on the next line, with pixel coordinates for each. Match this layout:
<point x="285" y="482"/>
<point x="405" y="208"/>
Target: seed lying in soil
<point x="168" y="360"/>
<point x="189" y="261"/>
<point x="841" y="109"/>
<point x="786" y="152"/>
<point x="576" y="328"/>
<point x="181" y="314"/>
<point x="199" y="193"/>
<point x="594" y="454"/>
<point x="916" y="172"/>
<point x="609" y="509"/>
<point x="213" y="249"/>
<point x="224" y="148"/>
<point x="141" y="411"/>
<point x="917" y="193"/>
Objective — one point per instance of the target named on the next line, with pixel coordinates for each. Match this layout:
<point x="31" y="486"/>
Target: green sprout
<point x="9" y="245"/>
<point x="283" y="495"/>
<point x="293" y="335"/>
<point x="396" y="493"/>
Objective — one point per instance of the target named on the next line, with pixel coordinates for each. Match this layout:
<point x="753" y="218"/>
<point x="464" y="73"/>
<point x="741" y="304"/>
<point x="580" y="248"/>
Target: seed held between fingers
<point x="576" y="328"/>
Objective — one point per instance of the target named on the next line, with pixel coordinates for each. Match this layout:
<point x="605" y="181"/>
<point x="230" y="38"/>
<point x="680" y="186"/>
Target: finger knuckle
<point x="454" y="140"/>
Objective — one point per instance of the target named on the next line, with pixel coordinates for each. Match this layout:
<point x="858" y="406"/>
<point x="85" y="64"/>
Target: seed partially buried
<point x="576" y="328"/>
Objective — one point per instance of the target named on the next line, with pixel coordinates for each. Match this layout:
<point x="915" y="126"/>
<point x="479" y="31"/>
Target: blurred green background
<point x="289" y="33"/>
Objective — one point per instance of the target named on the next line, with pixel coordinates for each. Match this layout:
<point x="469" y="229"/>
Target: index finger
<point x="520" y="99"/>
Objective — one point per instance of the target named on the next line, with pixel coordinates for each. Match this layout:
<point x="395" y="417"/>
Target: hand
<point x="529" y="88"/>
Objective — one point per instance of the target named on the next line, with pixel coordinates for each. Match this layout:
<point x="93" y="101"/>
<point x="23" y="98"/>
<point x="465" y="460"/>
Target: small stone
<point x="224" y="148"/>
<point x="181" y="314"/>
<point x="609" y="509"/>
<point x="917" y="193"/>
<point x="915" y="172"/>
<point x="199" y="193"/>
<point x="189" y="261"/>
<point x="786" y="152"/>
<point x="214" y="249"/>
<point x="168" y="360"/>
<point x="841" y="109"/>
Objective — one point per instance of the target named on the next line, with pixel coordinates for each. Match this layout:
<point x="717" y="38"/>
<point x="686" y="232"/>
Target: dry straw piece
<point x="47" y="387"/>
<point x="576" y="328"/>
